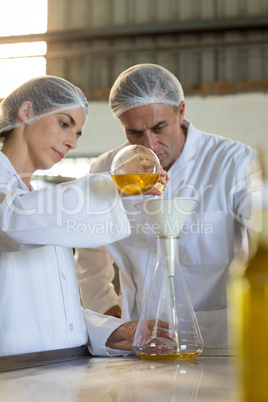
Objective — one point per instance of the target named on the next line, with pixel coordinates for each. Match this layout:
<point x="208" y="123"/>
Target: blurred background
<point x="217" y="49"/>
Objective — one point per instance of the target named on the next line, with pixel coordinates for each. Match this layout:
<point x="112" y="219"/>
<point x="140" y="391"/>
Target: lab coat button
<point x="63" y="276"/>
<point x="71" y="327"/>
<point x="153" y="250"/>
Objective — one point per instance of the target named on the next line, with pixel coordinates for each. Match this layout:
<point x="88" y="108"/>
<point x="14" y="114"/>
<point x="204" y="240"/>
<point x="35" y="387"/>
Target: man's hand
<point x="161" y="184"/>
<point x="114" y="311"/>
<point x="122" y="338"/>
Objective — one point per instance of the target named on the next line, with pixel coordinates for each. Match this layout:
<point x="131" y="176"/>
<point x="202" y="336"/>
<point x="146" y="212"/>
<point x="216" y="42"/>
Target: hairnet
<point x="47" y="94"/>
<point x="144" y="84"/>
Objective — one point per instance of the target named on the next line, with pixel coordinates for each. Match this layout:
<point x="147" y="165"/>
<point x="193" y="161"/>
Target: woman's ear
<point x="25" y="111"/>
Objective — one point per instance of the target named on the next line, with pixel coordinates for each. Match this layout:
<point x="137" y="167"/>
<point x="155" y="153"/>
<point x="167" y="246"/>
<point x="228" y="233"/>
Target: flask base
<point x="157" y="355"/>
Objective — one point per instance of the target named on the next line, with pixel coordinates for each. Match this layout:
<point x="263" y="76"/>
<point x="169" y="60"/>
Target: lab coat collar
<point x="191" y="147"/>
<point x="10" y="169"/>
<point x="192" y="144"/>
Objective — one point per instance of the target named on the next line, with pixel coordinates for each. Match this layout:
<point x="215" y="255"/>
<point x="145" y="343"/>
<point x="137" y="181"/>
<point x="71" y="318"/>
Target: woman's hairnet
<point x="144" y="84"/>
<point x="48" y="95"/>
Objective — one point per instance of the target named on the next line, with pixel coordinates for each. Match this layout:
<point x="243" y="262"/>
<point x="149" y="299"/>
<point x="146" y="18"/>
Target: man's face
<point x="157" y="127"/>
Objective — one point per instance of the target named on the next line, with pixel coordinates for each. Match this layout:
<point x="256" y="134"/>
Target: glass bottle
<point x="249" y="292"/>
<point x="167" y="327"/>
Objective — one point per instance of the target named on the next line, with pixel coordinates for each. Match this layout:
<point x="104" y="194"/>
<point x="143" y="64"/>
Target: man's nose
<point x="150" y="140"/>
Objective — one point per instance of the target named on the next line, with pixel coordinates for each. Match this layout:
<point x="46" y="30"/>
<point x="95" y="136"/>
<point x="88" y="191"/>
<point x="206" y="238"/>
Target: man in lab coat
<point x="148" y="100"/>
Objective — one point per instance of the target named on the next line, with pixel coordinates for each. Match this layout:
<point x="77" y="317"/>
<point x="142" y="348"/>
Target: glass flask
<point x="167" y="327"/>
<point x="135" y="169"/>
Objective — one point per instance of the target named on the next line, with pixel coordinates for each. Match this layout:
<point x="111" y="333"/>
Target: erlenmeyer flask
<point x="167" y="301"/>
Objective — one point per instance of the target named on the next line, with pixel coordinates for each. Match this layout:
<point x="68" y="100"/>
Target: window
<point x="20" y="62"/>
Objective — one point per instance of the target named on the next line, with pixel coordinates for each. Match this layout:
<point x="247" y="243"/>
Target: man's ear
<point x="180" y="112"/>
<point x="25" y="111"/>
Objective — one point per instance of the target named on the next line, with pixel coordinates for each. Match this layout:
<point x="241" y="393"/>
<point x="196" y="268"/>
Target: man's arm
<point x="94" y="267"/>
<point x="95" y="272"/>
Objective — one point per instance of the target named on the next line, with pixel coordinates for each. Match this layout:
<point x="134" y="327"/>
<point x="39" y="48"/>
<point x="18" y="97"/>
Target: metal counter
<point x="209" y="377"/>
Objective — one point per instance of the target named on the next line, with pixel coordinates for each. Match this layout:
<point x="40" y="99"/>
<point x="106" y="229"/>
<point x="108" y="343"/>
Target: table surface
<point x="209" y="377"/>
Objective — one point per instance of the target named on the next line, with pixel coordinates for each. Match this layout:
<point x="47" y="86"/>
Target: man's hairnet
<point x="48" y="95"/>
<point x="144" y="84"/>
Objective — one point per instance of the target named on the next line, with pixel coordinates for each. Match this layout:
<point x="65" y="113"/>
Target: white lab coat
<point x="215" y="171"/>
<point x="40" y="306"/>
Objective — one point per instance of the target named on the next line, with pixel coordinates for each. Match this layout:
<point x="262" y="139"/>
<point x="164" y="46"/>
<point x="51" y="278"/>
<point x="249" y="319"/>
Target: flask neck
<point x="168" y="251"/>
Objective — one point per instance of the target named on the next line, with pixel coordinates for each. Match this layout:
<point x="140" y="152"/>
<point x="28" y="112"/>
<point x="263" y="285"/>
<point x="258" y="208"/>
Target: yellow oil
<point x="172" y="356"/>
<point x="252" y="298"/>
<point x="135" y="184"/>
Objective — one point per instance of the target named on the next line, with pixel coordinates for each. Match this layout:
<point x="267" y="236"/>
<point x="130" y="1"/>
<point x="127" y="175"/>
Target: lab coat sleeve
<point x="247" y="185"/>
<point x="242" y="201"/>
<point x="95" y="272"/>
<point x="99" y="329"/>
<point x="87" y="212"/>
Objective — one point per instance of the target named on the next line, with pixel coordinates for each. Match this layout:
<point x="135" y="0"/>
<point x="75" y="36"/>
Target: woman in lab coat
<point x="39" y="299"/>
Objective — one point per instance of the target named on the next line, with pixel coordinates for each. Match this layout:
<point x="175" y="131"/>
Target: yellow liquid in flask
<point x="135" y="184"/>
<point x="166" y="356"/>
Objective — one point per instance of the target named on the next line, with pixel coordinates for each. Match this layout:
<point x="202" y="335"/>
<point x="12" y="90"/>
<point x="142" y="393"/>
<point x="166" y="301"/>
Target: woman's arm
<point x="84" y="213"/>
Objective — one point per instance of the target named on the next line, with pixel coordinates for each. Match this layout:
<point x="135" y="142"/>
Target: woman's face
<point x="49" y="139"/>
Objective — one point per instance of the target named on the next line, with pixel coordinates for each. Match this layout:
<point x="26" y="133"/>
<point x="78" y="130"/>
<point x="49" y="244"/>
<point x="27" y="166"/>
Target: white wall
<point x="241" y="117"/>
